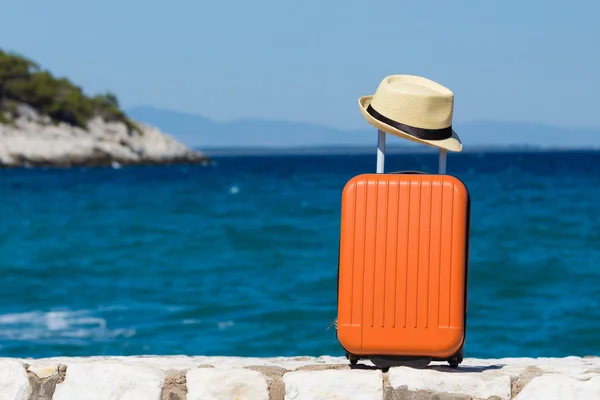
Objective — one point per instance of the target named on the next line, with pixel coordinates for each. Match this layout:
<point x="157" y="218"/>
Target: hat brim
<point x="452" y="143"/>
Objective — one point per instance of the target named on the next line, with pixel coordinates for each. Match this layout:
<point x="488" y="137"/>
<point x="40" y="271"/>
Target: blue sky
<point x="309" y="60"/>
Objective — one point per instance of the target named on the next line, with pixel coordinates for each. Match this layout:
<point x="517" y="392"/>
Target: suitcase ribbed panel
<point x="402" y="258"/>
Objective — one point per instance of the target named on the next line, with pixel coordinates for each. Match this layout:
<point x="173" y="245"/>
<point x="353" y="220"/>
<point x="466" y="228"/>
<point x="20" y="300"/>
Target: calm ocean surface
<point x="241" y="258"/>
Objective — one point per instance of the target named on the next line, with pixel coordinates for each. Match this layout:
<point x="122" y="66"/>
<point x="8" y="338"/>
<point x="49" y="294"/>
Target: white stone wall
<point x="299" y="378"/>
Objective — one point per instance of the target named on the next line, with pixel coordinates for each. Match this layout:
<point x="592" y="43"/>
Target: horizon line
<point x="254" y="118"/>
<point x="368" y="149"/>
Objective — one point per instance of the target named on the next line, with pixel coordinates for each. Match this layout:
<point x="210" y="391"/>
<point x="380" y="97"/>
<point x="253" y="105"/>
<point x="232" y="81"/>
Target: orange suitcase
<point x="403" y="258"/>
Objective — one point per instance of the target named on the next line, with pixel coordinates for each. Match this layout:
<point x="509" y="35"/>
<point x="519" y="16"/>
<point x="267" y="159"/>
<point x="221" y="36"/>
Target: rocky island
<point x="49" y="121"/>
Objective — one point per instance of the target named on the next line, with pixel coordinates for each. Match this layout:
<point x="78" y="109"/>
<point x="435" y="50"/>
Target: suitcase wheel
<point x="456" y="359"/>
<point x="352" y="358"/>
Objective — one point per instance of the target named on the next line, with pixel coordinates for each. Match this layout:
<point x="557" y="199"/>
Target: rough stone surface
<point x="480" y="385"/>
<point x="175" y="387"/>
<point x="334" y="384"/>
<point x="33" y="140"/>
<point x="402" y="393"/>
<point x="405" y="394"/>
<point x="43" y="385"/>
<point x="274" y="377"/>
<point x="14" y="383"/>
<point x="106" y="380"/>
<point x="560" y="387"/>
<point x="226" y="384"/>
<point x="289" y="363"/>
<point x="43" y="371"/>
<point x="294" y="378"/>
<point x="167" y="363"/>
<point x="524" y="378"/>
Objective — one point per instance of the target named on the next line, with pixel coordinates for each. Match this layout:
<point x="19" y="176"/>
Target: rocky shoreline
<point x="33" y="140"/>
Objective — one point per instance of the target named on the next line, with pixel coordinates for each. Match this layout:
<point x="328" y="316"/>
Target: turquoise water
<point x="241" y="258"/>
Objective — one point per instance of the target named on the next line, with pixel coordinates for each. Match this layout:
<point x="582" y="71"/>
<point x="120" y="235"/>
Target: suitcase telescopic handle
<point x="381" y="155"/>
<point x="442" y="162"/>
<point x="380" y="151"/>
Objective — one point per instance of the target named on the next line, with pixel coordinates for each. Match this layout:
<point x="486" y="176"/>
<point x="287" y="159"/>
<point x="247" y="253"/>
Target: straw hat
<point x="413" y="108"/>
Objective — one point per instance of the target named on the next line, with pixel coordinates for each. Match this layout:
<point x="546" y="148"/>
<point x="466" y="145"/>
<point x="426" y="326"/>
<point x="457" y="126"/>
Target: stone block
<point x="480" y="385"/>
<point x="334" y="384"/>
<point x="14" y="383"/>
<point x="561" y="387"/>
<point x="110" y="380"/>
<point x="226" y="384"/>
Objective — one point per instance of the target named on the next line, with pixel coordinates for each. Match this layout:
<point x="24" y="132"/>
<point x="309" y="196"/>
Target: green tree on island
<point x="23" y="81"/>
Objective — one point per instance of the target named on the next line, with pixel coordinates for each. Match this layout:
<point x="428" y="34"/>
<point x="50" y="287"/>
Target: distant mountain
<point x="202" y="132"/>
<point x="196" y="130"/>
<point x="512" y="133"/>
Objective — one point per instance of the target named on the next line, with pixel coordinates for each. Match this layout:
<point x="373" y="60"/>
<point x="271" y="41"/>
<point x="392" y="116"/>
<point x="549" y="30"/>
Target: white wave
<point x="53" y="325"/>
<point x="225" y="324"/>
<point x="113" y="308"/>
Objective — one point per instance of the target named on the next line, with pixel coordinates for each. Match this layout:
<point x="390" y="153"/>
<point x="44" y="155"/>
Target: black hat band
<point x="421" y="133"/>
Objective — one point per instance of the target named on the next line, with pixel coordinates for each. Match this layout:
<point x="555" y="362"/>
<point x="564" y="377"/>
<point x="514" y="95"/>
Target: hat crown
<point x="415" y="101"/>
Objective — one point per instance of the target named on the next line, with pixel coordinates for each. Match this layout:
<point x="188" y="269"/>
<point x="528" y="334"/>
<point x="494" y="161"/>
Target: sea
<point x="239" y="258"/>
